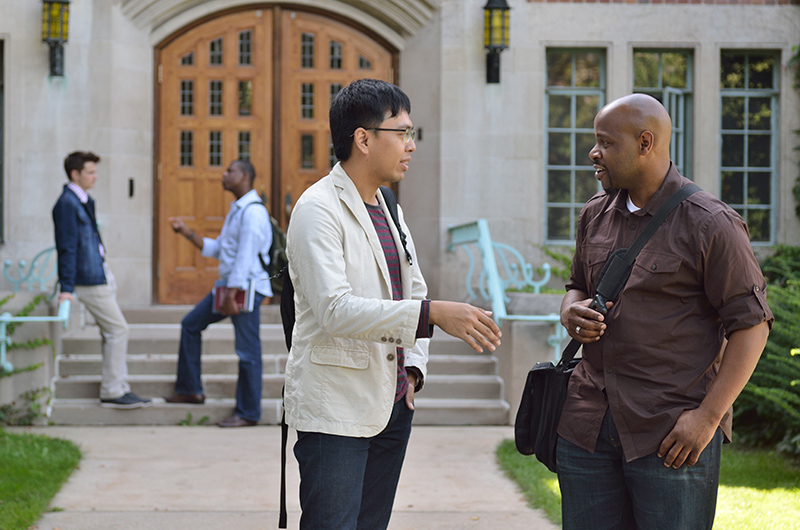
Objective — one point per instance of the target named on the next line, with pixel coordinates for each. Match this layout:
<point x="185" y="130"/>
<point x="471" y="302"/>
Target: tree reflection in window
<point x="749" y="107"/>
<point x="575" y="92"/>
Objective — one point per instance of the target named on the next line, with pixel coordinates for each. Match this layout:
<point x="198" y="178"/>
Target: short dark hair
<point x="77" y="160"/>
<point x="363" y="103"/>
<point x="247" y="168"/>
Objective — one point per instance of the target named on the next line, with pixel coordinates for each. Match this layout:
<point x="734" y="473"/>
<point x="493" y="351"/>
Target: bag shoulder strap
<point x="391" y="204"/>
<point x="630" y="256"/>
<point x="658" y="219"/>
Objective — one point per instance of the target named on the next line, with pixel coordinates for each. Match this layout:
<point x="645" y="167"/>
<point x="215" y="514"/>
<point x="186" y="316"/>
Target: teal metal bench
<point x="492" y="285"/>
<point x="42" y="269"/>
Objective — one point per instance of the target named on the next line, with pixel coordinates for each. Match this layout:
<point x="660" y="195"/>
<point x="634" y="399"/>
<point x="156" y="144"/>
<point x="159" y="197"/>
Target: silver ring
<point x="577" y="330"/>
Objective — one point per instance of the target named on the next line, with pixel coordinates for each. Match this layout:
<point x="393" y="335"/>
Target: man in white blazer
<point x="360" y="341"/>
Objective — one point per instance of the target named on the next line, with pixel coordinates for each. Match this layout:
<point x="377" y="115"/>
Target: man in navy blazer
<point x="82" y="271"/>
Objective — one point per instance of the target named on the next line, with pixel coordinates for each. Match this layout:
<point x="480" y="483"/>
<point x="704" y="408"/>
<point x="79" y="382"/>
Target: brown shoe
<point x="194" y="399"/>
<point x="236" y="421"/>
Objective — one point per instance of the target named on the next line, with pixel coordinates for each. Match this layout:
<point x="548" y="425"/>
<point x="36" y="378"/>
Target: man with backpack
<point x="360" y="343"/>
<point x="241" y="247"/>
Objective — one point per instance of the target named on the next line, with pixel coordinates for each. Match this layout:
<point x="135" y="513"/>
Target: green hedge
<point x="767" y="412"/>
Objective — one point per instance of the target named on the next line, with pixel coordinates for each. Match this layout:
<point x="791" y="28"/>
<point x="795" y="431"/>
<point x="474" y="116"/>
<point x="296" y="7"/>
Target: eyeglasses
<point x="408" y="134"/>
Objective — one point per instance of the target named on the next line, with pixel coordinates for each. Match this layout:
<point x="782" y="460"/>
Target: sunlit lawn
<point x="758" y="489"/>
<point x="32" y="470"/>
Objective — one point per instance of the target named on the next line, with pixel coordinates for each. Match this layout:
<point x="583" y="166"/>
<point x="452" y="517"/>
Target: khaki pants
<point x="101" y="302"/>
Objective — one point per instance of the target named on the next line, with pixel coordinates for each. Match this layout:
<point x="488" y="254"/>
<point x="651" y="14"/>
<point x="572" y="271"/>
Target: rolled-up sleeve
<point x="734" y="283"/>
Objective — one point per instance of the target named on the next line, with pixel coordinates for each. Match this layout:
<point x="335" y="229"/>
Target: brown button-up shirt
<point x="694" y="282"/>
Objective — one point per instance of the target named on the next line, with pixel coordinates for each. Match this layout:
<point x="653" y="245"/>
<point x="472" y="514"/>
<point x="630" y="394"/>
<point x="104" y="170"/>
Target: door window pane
<point x="307" y="50"/>
<point x="336" y="55"/>
<point x="215" y="148"/>
<point x="244" y="145"/>
<point x="307" y="100"/>
<point x="307" y="151"/>
<point x="364" y="63"/>
<point x="245" y="98"/>
<point x="215" y="52"/>
<point x="575" y="92"/>
<point x="335" y="88"/>
<point x="186" y="149"/>
<point x="246" y="48"/>
<point x="749" y="104"/>
<point x="215" y="98"/>
<point x="331" y="153"/>
<point x="188" y="59"/>
<point x="187" y="97"/>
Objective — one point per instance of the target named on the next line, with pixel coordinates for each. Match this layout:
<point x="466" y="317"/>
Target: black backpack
<point x="276" y="253"/>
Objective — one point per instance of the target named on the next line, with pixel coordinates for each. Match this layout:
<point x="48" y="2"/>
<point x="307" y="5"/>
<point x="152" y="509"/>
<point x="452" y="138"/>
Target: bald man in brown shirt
<point x="649" y="405"/>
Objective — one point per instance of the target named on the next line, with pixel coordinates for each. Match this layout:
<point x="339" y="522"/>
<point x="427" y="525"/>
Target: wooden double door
<point x="253" y="84"/>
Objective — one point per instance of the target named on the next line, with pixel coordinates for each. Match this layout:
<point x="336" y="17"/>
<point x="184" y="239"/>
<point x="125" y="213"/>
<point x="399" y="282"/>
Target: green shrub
<point x="767" y="412"/>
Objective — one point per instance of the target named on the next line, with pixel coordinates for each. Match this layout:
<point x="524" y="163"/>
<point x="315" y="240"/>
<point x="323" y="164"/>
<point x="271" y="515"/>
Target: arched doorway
<point x="254" y="83"/>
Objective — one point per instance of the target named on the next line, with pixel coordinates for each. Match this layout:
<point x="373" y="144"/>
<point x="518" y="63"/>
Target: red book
<point x="245" y="298"/>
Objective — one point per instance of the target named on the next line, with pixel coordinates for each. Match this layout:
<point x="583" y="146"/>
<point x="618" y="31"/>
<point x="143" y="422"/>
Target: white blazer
<point x="342" y="370"/>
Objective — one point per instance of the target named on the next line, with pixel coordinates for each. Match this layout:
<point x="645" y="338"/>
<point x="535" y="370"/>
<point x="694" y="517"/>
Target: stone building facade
<point x="163" y="91"/>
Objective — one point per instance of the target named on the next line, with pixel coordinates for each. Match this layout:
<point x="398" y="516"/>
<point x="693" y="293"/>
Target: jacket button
<point x="399" y="342"/>
<point x="391" y="339"/>
<point x="653" y="266"/>
<point x="383" y="339"/>
<point x="758" y="288"/>
<point x="390" y="357"/>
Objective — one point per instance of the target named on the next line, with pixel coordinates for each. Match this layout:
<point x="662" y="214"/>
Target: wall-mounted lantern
<point x="495" y="39"/>
<point x="55" y="30"/>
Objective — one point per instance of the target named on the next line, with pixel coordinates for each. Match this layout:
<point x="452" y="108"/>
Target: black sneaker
<point x="128" y="401"/>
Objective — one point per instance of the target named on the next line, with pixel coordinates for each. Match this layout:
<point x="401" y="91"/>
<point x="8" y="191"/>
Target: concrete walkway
<point x="204" y="478"/>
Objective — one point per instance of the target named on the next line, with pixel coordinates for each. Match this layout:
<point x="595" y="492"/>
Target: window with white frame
<point x="575" y="92"/>
<point x="667" y="76"/>
<point x="748" y="154"/>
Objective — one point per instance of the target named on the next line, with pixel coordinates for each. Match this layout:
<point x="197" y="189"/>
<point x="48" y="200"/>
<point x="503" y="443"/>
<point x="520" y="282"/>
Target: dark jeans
<point x="248" y="348"/>
<point x="601" y="491"/>
<point x="349" y="483"/>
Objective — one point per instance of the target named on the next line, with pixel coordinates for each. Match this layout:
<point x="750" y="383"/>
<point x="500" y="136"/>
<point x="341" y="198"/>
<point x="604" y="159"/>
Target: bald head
<point x="638" y="113"/>
<point x="632" y="148"/>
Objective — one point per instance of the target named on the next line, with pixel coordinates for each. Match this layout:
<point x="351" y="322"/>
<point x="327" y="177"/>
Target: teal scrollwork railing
<point x="40" y="270"/>
<point x="503" y="267"/>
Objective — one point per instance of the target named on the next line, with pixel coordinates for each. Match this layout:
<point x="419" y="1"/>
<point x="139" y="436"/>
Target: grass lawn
<point x="758" y="490"/>
<point x="33" y="469"/>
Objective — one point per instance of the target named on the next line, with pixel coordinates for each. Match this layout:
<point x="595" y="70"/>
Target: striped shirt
<point x="393" y="261"/>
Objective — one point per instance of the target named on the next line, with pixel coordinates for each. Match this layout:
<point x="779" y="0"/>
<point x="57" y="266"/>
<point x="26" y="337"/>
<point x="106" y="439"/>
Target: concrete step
<point x="428" y="412"/>
<point x="173" y="314"/>
<point x="460" y="411"/>
<point x="166" y="363"/>
<point x="165" y="338"/>
<point x="224" y="385"/>
<point x="214" y="385"/>
<point x="88" y="411"/>
<point x="462" y="387"/>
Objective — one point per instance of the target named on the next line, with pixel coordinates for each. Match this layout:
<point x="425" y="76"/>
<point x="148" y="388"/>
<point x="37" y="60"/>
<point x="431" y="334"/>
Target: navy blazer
<point x="77" y="242"/>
